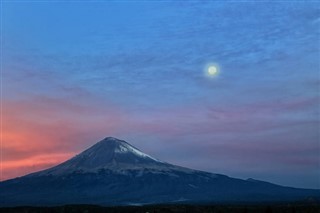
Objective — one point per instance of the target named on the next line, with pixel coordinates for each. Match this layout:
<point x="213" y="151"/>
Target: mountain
<point x="113" y="172"/>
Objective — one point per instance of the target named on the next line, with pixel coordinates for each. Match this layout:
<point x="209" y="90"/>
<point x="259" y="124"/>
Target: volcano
<point x="113" y="172"/>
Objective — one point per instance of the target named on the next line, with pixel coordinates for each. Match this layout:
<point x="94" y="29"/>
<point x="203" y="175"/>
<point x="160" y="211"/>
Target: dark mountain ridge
<point x="113" y="172"/>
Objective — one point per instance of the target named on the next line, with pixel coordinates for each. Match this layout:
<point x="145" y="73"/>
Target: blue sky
<point x="76" y="72"/>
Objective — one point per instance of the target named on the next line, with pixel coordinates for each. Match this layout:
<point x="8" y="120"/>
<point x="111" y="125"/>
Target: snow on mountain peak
<point x="125" y="148"/>
<point x="122" y="147"/>
<point x="109" y="153"/>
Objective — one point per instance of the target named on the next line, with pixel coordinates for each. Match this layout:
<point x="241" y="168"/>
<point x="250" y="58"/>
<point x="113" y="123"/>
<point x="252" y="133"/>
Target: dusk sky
<point x="74" y="73"/>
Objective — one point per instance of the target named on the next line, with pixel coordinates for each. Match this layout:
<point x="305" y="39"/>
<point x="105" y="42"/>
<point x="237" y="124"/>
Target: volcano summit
<point x="113" y="172"/>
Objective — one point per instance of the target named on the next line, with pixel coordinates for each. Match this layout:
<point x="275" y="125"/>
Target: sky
<point x="75" y="72"/>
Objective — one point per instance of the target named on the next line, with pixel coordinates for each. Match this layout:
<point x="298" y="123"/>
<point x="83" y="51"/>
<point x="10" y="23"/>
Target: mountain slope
<point x="110" y="154"/>
<point x="112" y="172"/>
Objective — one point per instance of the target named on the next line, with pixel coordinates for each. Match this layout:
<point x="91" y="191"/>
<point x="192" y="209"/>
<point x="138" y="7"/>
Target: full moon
<point x="212" y="71"/>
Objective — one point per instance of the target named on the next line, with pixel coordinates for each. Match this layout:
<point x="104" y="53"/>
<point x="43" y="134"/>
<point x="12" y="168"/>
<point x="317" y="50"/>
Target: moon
<point x="212" y="71"/>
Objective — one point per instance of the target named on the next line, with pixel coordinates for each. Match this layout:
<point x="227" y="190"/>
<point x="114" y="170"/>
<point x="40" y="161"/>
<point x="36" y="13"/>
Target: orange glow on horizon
<point x="38" y="135"/>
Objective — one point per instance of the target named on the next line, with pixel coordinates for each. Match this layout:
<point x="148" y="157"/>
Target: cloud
<point x="33" y="163"/>
<point x="144" y="81"/>
<point x="46" y="126"/>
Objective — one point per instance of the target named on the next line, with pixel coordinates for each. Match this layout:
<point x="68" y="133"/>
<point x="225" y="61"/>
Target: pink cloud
<point x="50" y="128"/>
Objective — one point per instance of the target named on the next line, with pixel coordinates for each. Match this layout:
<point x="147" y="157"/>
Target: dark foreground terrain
<point x="274" y="208"/>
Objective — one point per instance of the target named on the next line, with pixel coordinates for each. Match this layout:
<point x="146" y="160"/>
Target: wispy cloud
<point x="84" y="72"/>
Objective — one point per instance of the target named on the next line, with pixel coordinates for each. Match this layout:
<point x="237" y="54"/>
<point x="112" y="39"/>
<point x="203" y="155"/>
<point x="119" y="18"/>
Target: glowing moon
<point x="212" y="71"/>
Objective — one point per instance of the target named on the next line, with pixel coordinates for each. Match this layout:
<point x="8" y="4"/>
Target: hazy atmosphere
<point x="74" y="73"/>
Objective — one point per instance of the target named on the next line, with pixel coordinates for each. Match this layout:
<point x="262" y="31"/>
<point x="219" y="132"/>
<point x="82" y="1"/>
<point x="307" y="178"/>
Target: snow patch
<point x="123" y="148"/>
<point x="193" y="186"/>
<point x="181" y="199"/>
